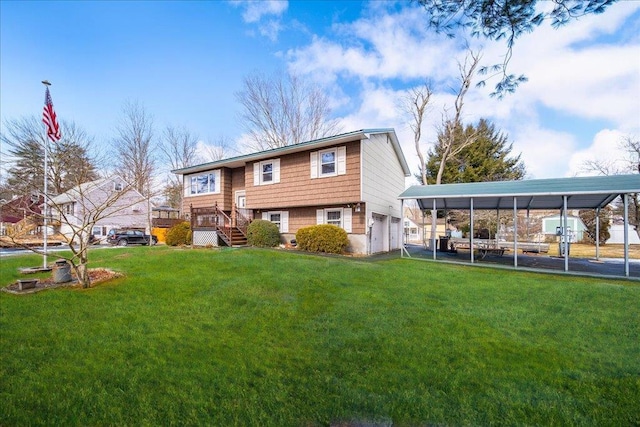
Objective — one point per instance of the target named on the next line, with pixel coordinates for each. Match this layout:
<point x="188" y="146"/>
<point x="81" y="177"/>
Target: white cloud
<point x="605" y="149"/>
<point x="581" y="70"/>
<point x="255" y="10"/>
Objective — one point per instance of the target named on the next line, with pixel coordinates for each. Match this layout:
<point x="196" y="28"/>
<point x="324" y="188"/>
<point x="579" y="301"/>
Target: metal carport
<point x="594" y="192"/>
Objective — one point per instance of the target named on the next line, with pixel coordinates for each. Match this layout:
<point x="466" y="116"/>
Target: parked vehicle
<point x="126" y="237"/>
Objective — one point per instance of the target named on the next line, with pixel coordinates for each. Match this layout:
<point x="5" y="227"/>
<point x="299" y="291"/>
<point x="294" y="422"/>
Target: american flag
<point x="49" y="118"/>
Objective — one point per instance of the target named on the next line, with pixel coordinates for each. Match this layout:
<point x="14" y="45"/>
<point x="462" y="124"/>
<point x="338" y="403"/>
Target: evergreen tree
<point x="68" y="159"/>
<point x="486" y="159"/>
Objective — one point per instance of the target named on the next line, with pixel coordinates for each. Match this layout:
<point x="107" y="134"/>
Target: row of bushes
<point x="265" y="234"/>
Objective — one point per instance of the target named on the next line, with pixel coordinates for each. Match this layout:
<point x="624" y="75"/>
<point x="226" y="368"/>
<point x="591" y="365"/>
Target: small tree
<point x="588" y="217"/>
<point x="78" y="210"/>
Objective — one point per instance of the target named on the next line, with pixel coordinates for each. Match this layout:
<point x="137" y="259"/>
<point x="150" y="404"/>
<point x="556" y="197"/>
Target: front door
<point x="241" y="199"/>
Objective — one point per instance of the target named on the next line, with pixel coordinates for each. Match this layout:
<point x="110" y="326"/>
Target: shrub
<point x="263" y="234"/>
<point x="179" y="234"/>
<point x="322" y="238"/>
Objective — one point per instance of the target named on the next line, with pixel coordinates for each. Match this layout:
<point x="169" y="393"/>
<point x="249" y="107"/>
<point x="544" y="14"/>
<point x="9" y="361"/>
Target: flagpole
<point x="46" y="184"/>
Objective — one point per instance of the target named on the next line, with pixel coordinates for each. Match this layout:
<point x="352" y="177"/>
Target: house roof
<point x="240" y="161"/>
<point x="582" y="193"/>
<point x="80" y="191"/>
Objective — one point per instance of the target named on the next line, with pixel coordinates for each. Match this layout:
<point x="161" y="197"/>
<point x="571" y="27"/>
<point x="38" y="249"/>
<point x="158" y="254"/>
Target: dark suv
<point x="126" y="237"/>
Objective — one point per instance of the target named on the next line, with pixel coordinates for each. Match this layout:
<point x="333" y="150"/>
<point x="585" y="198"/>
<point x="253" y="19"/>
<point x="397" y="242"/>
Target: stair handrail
<point x="225" y="227"/>
<point x="242" y="220"/>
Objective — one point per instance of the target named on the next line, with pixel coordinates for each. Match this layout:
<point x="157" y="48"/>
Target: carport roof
<point x="582" y="193"/>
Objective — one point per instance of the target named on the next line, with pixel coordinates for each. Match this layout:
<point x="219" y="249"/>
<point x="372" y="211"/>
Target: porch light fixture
<point x="358" y="207"/>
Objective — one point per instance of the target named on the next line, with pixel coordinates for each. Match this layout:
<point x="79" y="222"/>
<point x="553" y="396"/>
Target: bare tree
<point x="451" y="124"/>
<point x="134" y="147"/>
<point x="179" y="148"/>
<point x="218" y="150"/>
<point x="283" y="110"/>
<point x="76" y="212"/>
<point x="627" y="163"/>
<point x="415" y="104"/>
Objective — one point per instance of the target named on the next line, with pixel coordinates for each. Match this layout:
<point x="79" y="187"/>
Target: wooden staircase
<point x="233" y="237"/>
<point x="230" y="232"/>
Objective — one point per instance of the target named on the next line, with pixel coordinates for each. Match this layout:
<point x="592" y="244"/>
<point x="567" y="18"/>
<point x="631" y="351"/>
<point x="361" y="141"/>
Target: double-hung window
<point x="279" y="218"/>
<point x="340" y="217"/>
<point x="330" y="162"/>
<point x="206" y="183"/>
<point x="334" y="217"/>
<point x="266" y="172"/>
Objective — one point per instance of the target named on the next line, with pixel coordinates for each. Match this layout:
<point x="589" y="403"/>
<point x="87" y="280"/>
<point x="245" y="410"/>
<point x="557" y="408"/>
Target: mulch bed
<point x="97" y="275"/>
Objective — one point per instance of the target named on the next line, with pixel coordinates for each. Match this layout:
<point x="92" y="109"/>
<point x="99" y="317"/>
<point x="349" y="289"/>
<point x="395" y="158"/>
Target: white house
<point x="101" y="205"/>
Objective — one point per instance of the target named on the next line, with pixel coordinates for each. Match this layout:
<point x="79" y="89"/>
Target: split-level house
<point x="350" y="180"/>
<point x="102" y="204"/>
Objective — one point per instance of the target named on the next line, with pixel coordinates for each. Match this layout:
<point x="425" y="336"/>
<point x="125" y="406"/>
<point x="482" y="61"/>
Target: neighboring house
<point x="109" y="202"/>
<point x="550" y="225"/>
<point x="413" y="232"/>
<point x="350" y="180"/>
<point x="15" y="214"/>
<point x="616" y="232"/>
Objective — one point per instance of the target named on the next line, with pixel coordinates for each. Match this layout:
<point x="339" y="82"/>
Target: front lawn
<point x="261" y="337"/>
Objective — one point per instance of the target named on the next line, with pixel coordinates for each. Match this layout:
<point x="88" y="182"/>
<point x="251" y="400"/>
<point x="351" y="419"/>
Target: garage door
<point x="395" y="233"/>
<point x="377" y="233"/>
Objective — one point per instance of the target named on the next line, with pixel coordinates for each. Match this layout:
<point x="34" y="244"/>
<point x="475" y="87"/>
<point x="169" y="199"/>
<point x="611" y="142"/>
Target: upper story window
<point x="117" y="186"/>
<point x="206" y="183"/>
<point x="330" y="162"/>
<point x="266" y="172"/>
<point x="68" y="208"/>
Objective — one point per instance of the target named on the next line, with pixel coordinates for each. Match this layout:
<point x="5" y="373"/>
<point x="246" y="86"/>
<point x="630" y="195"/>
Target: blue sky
<point x="185" y="60"/>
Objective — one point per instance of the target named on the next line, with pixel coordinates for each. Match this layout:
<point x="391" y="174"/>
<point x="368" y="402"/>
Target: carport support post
<point x="434" y="215"/>
<point x="515" y="232"/>
<point x="597" y="234"/>
<point x="471" y="229"/>
<point x="625" y="199"/>
<point x="565" y="235"/>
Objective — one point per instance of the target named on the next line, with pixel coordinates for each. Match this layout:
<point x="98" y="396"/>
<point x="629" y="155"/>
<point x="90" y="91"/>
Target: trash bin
<point x="444" y="244"/>
<point x="62" y="271"/>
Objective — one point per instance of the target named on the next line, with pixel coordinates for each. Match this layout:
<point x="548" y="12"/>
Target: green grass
<point x="264" y="337"/>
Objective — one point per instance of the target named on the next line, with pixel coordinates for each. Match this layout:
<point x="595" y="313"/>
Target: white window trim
<point x="341" y="162"/>
<point x="258" y="175"/>
<point x="346" y="215"/>
<point x="187" y="183"/>
<point x="284" y="219"/>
